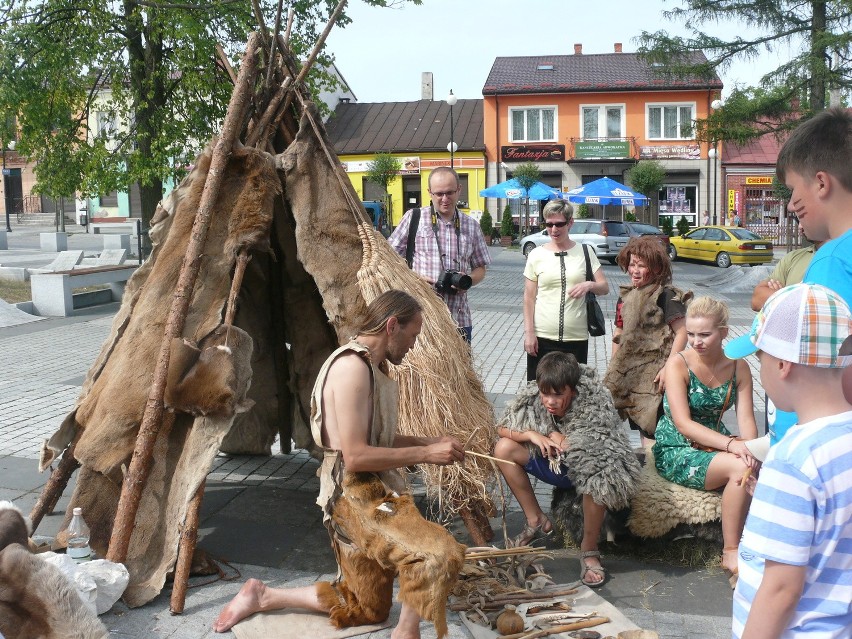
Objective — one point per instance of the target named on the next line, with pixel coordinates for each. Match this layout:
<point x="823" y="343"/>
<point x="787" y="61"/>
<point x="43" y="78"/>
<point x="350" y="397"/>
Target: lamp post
<point x="452" y="146"/>
<point x="715" y="105"/>
<point x="715" y="182"/>
<point x="11" y="146"/>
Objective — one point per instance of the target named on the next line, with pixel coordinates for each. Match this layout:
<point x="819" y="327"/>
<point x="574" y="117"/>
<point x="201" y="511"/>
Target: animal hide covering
<point x="599" y="458"/>
<point x="644" y="347"/>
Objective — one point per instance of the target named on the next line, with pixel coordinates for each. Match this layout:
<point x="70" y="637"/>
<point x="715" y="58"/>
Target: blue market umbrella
<point x="604" y="191"/>
<point x="511" y="189"/>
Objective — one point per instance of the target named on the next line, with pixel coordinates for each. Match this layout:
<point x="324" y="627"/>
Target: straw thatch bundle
<point x="263" y="261"/>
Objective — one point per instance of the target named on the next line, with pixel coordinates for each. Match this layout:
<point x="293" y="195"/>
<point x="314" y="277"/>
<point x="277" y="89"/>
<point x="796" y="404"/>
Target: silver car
<point x="605" y="237"/>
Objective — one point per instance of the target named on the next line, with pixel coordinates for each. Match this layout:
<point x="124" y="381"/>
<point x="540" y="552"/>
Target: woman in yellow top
<point x="555" y="291"/>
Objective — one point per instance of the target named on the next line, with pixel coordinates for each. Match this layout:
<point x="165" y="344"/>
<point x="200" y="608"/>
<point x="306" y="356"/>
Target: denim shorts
<point x="538" y="466"/>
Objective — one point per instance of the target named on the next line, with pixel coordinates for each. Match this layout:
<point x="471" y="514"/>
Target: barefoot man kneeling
<point x="376" y="530"/>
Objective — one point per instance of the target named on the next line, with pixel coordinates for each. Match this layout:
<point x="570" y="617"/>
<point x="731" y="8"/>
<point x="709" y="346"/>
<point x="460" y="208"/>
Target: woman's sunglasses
<point x="558" y="225"/>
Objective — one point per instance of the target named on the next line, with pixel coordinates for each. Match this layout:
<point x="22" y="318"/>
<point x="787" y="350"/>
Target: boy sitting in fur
<point x="563" y="429"/>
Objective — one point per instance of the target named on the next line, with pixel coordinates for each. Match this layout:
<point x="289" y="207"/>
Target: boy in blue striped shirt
<point x="795" y="556"/>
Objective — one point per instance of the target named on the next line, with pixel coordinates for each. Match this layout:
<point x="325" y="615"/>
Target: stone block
<point x="117" y="241"/>
<point x="53" y="242"/>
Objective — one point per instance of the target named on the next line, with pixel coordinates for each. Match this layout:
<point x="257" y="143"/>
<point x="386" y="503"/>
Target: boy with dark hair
<point x="795" y="556"/>
<point x="563" y="429"/>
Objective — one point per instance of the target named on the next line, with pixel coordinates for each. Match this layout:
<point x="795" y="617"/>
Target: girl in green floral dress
<point x="693" y="447"/>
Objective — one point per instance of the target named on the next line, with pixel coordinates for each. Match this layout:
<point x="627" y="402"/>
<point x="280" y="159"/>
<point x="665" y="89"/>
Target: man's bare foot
<point x="397" y="633"/>
<point x="247" y="602"/>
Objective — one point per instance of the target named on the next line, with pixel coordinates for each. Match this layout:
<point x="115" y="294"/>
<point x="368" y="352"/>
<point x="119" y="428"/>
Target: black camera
<point x="449" y="279"/>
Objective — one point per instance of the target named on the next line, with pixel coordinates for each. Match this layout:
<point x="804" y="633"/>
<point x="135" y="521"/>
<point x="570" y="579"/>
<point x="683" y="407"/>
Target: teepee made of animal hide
<point x="263" y="259"/>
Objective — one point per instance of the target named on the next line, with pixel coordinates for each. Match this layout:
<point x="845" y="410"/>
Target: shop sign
<point x="410" y="165"/>
<point x="542" y="153"/>
<point x="355" y="167"/>
<point x="762" y="179"/>
<point x="731" y="199"/>
<point x="670" y="152"/>
<point x="601" y="149"/>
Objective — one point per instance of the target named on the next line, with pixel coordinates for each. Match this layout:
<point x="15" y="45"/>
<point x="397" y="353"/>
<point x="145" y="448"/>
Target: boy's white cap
<point x="804" y="324"/>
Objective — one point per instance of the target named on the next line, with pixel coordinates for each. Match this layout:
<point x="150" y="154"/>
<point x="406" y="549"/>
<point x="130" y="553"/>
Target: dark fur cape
<point x="599" y="458"/>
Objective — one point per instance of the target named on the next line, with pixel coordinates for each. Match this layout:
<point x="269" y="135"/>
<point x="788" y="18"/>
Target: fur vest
<point x="644" y="347"/>
<point x="599" y="458"/>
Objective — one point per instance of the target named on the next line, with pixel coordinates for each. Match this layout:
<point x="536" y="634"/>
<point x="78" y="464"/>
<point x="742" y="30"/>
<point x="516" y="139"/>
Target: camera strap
<point x="457" y="225"/>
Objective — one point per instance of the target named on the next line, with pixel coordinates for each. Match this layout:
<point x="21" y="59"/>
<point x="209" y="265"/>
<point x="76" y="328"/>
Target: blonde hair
<point x="710" y="308"/>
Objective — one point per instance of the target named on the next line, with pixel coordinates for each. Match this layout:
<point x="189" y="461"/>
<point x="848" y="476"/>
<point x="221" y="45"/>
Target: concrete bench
<point x="53" y="296"/>
<point x="131" y="224"/>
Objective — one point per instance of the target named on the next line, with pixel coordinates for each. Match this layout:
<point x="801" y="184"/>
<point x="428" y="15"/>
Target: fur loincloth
<point x="599" y="458"/>
<point x="644" y="346"/>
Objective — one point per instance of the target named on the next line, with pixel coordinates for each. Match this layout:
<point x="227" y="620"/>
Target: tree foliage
<point x="647" y="177"/>
<point x="104" y="94"/>
<point x="817" y="31"/>
<point x="486" y="224"/>
<point x="507" y="225"/>
<point x="383" y="170"/>
<point x="527" y="174"/>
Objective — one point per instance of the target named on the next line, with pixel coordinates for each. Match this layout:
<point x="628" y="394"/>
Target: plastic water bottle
<point x="78" y="538"/>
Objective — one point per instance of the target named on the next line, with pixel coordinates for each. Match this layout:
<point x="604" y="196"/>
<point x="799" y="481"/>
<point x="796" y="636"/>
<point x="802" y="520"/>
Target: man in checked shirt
<point x="445" y="240"/>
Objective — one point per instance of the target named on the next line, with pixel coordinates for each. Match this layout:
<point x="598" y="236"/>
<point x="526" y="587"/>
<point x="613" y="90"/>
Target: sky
<point x="383" y="52"/>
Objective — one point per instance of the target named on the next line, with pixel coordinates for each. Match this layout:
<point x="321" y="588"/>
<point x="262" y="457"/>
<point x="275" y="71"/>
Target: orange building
<point x="581" y="117"/>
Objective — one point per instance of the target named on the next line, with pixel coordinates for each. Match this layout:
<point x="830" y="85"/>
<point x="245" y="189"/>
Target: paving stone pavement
<point x="259" y="513"/>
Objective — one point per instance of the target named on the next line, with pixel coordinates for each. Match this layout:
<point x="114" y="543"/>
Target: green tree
<point x="527" y="174"/>
<point x="486" y="224"/>
<point x="666" y="225"/>
<point x="507" y="226"/>
<point x="584" y="211"/>
<point x="682" y="225"/>
<point x="383" y="170"/>
<point x="647" y="177"/>
<point x="106" y="94"/>
<point x="814" y="32"/>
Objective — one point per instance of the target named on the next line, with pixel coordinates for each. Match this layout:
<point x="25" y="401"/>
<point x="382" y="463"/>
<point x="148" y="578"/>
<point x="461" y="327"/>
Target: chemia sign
<point x="601" y="149"/>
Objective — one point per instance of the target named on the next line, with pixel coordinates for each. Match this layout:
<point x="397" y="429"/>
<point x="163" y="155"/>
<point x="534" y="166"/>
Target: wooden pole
<point x="188" y="539"/>
<point x="140" y="464"/>
<point x="55" y="486"/>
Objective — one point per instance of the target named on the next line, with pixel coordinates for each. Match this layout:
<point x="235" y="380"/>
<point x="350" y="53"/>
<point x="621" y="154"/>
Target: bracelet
<point x="728" y="445"/>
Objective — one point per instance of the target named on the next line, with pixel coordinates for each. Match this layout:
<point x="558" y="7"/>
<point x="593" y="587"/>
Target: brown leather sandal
<point x="531" y="533"/>
<point x="598" y="570"/>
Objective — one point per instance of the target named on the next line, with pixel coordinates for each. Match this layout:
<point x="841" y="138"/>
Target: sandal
<point x="733" y="575"/>
<point x="598" y="570"/>
<point x="531" y="533"/>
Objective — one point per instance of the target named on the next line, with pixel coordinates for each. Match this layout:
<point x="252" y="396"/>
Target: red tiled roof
<point x="577" y="73"/>
<point x="761" y="151"/>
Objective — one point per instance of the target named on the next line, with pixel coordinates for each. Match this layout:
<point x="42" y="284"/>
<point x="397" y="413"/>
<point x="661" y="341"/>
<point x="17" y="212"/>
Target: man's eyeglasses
<point x="558" y="225"/>
<point x="439" y="194"/>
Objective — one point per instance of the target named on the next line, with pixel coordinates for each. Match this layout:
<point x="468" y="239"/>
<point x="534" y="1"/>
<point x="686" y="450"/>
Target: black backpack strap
<point x="412" y="233"/>
<point x="589" y="276"/>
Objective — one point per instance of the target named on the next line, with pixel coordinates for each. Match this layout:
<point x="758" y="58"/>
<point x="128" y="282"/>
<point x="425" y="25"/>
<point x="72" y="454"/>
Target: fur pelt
<point x="37" y="601"/>
<point x="389" y="536"/>
<point x="14" y="526"/>
<point x="599" y="458"/>
<point x="644" y="346"/>
<point x="661" y="505"/>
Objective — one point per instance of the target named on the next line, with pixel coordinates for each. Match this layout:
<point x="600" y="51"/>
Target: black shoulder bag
<point x="413" y="223"/>
<point x="594" y="314"/>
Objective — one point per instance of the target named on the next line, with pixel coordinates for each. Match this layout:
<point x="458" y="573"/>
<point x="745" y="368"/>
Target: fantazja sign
<point x="555" y="152"/>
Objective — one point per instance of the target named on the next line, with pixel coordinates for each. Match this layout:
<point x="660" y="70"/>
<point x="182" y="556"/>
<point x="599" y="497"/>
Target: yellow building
<point x="419" y="134"/>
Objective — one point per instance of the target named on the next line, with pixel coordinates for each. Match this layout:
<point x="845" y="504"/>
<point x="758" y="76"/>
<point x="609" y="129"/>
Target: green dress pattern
<point x="675" y="459"/>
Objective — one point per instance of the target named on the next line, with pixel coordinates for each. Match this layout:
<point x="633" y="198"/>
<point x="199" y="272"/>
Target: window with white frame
<point x="603" y="121"/>
<point x="533" y="124"/>
<point x="671" y="121"/>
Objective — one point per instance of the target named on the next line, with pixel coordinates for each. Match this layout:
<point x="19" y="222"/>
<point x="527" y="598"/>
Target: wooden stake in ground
<point x="55" y="486"/>
<point x="140" y="464"/>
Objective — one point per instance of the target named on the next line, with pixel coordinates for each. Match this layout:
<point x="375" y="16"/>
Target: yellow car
<point x="724" y="245"/>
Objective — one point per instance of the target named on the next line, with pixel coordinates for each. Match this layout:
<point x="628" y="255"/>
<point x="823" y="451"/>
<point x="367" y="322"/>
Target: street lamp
<point x="452" y="146"/>
<point x="6" y="200"/>
<point x="715" y="183"/>
<point x="715" y="105"/>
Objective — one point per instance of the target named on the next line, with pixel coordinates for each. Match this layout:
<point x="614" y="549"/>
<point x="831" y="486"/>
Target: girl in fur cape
<point x="563" y="429"/>
<point x="649" y="328"/>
